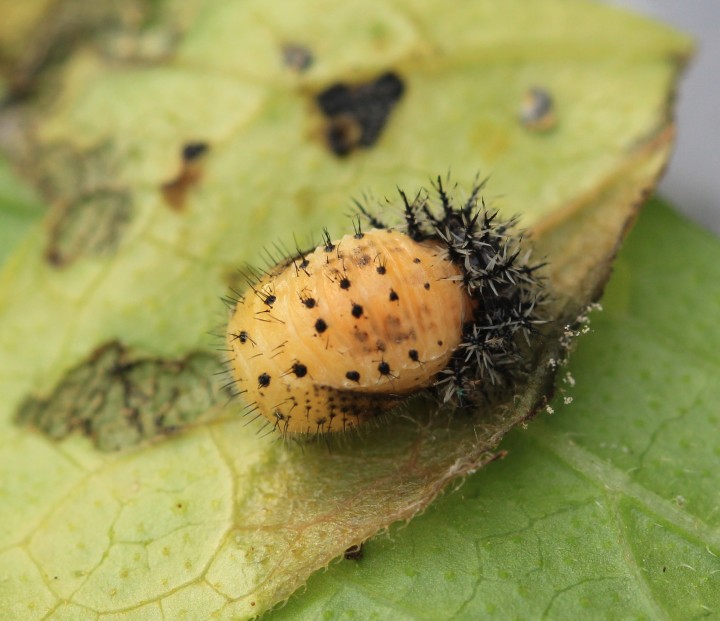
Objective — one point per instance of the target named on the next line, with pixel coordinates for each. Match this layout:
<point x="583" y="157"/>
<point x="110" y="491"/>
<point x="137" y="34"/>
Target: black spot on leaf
<point x="297" y="57"/>
<point x="175" y="191"/>
<point x="193" y="150"/>
<point x="357" y="114"/>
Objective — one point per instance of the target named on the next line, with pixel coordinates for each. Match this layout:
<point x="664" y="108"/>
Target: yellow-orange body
<point x="332" y="339"/>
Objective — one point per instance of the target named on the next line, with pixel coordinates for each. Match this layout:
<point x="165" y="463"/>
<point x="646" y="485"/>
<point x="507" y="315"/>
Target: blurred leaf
<point x="139" y="243"/>
<point x="19" y="210"/>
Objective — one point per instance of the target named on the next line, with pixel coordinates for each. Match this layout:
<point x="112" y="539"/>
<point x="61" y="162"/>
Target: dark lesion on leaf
<point x="297" y="57"/>
<point x="61" y="28"/>
<point x="90" y="209"/>
<point x="91" y="225"/>
<point x="175" y="191"/>
<point x="355" y="115"/>
<point x="119" y="398"/>
<point x="537" y="112"/>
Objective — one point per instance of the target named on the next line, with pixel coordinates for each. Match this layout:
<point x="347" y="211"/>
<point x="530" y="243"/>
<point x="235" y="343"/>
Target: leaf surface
<point x="139" y="244"/>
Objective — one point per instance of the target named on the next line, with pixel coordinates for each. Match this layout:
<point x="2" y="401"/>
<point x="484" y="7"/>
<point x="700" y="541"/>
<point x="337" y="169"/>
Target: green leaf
<point x="19" y="210"/>
<point x="105" y="307"/>
<point x="607" y="509"/>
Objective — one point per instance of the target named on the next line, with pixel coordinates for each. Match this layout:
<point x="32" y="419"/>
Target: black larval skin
<point x="507" y="291"/>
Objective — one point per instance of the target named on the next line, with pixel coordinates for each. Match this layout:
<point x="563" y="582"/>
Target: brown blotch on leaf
<point x="119" y="398"/>
<point x="175" y="192"/>
<point x="357" y="114"/>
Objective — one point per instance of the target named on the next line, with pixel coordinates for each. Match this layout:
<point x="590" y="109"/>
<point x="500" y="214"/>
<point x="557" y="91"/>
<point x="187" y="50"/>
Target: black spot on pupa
<point x="357" y="311"/>
<point x="345" y="283"/>
<point x="270" y="300"/>
<point x="426" y="285"/>
<point x="308" y="302"/>
<point x="327" y="241"/>
<point x="394" y="297"/>
<point x="384" y="368"/>
<point x="299" y="369"/>
<point x="416" y="260"/>
<point x="353" y="376"/>
<point x="381" y="269"/>
<point x="242" y="336"/>
<point x="357" y="225"/>
<point x="263" y="380"/>
<point x="320" y="326"/>
<point x="413" y="355"/>
<point x="357" y="114"/>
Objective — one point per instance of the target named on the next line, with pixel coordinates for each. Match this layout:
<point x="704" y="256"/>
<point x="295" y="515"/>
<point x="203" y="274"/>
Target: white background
<point x="692" y="182"/>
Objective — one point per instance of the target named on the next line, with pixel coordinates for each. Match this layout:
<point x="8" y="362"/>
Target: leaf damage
<point x="119" y="398"/>
<point x="292" y="509"/>
<point x="175" y="191"/>
<point x="357" y="114"/>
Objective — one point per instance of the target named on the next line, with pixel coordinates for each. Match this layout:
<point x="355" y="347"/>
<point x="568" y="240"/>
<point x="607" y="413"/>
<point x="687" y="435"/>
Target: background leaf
<point x="217" y="519"/>
<point x="19" y="209"/>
